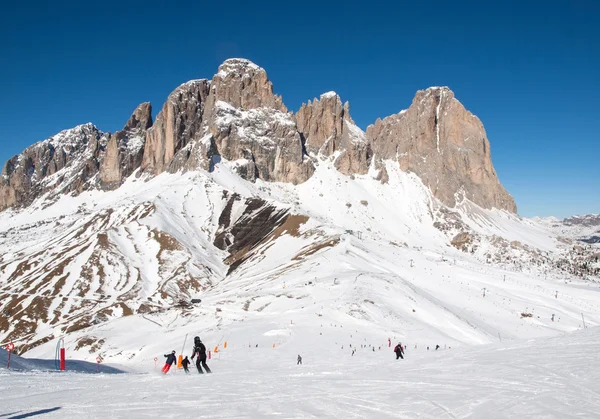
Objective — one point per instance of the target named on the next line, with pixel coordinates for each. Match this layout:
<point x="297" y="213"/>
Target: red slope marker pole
<point x="62" y="359"/>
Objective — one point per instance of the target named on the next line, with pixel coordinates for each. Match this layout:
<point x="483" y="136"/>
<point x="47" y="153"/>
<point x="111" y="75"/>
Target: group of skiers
<point x="199" y="351"/>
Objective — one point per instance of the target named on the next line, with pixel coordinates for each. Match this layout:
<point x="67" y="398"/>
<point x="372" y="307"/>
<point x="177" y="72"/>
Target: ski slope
<point x="362" y="262"/>
<point x="543" y="378"/>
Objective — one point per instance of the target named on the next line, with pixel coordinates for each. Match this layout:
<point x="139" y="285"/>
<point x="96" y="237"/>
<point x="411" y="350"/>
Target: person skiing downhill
<point x="299" y="360"/>
<point x="399" y="350"/>
<point x="200" y="350"/>
<point x="186" y="363"/>
<point x="171" y="359"/>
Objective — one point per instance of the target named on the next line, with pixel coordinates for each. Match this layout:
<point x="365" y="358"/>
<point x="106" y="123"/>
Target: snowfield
<point x="544" y="378"/>
<point x="357" y="263"/>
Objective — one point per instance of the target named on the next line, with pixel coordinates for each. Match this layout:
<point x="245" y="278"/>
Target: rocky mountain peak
<point x="125" y="149"/>
<point x="141" y="119"/>
<point x="328" y="130"/>
<point x="236" y="116"/>
<point x="63" y="163"/>
<point x="445" y="145"/>
<point x="244" y="85"/>
<point x="177" y="124"/>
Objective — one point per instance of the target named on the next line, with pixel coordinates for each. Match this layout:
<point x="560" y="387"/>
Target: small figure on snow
<point x="399" y="350"/>
<point x="186" y="363"/>
<point x="299" y="360"/>
<point x="200" y="351"/>
<point x="437" y="347"/>
<point x="171" y="359"/>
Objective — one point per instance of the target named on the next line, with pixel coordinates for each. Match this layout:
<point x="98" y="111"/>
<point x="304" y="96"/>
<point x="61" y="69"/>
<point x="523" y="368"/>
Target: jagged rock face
<point x="178" y="123"/>
<point x="250" y="125"/>
<point x="243" y="85"/>
<point x="125" y="149"/>
<point x="237" y="117"/>
<point x="66" y="162"/>
<point x="445" y="145"/>
<point x="263" y="141"/>
<point x="327" y="128"/>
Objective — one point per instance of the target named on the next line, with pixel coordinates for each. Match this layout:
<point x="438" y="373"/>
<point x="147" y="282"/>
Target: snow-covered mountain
<point x="275" y="219"/>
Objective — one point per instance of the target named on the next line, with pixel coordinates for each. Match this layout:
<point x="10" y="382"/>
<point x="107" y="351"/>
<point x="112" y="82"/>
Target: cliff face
<point x="125" y="149"/>
<point x="445" y="145"/>
<point x="237" y="117"/>
<point x="328" y="129"/>
<point x="64" y="163"/>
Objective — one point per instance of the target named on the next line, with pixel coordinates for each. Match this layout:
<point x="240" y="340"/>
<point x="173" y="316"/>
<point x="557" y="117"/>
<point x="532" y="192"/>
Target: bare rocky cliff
<point x="328" y="129"/>
<point x="237" y="117"/>
<point x="66" y="162"/>
<point x="445" y="145"/>
<point x="125" y="149"/>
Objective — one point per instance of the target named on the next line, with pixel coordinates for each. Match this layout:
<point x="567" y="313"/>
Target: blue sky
<point x="529" y="69"/>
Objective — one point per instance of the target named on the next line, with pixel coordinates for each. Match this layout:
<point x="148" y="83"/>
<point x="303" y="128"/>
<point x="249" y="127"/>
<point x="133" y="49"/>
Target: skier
<point x="200" y="350"/>
<point x="299" y="360"/>
<point x="399" y="351"/>
<point x="437" y="347"/>
<point x="186" y="363"/>
<point x="171" y="359"/>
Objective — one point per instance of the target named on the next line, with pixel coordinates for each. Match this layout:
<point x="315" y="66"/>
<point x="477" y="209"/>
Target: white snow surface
<point x="546" y="378"/>
<point x="367" y="265"/>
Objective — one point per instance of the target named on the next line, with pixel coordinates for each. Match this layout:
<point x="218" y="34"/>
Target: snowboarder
<point x="399" y="350"/>
<point x="299" y="360"/>
<point x="171" y="359"/>
<point x="437" y="347"/>
<point x="186" y="363"/>
<point x="200" y="350"/>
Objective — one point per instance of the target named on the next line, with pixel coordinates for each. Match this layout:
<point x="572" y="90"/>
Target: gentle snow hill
<point x="543" y="378"/>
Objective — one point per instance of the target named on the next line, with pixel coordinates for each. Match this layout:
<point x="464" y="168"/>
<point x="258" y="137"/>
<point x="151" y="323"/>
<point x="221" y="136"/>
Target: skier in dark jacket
<point x="399" y="351"/>
<point x="200" y="351"/>
<point x="186" y="363"/>
<point x="171" y="359"/>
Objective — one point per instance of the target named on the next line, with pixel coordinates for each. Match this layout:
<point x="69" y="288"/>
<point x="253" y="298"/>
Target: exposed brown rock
<point x="263" y="141"/>
<point x="328" y="128"/>
<point x="125" y="149"/>
<point x="178" y="123"/>
<point x="243" y="85"/>
<point x="64" y="163"/>
<point x="445" y="145"/>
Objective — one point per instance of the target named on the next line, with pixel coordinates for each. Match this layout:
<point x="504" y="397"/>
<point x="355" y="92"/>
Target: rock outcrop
<point x="177" y="124"/>
<point x="445" y="145"/>
<point x="245" y="122"/>
<point x="125" y="149"/>
<point x="237" y="117"/>
<point x="66" y="162"/>
<point x="328" y="129"/>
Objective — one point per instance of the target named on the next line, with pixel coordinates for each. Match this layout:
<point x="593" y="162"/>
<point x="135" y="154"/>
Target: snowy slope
<point x="284" y="270"/>
<point x="544" y="378"/>
<point x="96" y="267"/>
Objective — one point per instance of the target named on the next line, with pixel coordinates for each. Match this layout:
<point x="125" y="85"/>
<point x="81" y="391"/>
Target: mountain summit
<point x="237" y="117"/>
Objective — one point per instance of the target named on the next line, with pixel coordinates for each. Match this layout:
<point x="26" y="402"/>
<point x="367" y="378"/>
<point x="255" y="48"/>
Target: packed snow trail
<point x="556" y="377"/>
